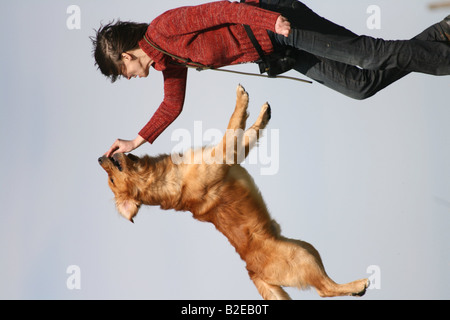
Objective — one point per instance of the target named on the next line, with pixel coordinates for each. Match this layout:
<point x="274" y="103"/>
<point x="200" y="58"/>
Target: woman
<point x="213" y="34"/>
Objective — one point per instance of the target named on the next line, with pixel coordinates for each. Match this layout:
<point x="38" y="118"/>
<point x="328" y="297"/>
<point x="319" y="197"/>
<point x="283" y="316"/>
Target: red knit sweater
<point x="212" y="34"/>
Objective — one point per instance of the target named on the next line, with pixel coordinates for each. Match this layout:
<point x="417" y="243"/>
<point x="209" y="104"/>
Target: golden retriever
<point x="210" y="183"/>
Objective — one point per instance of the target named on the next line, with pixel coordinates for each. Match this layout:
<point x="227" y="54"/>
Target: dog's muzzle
<point x="101" y="159"/>
<point x="114" y="161"/>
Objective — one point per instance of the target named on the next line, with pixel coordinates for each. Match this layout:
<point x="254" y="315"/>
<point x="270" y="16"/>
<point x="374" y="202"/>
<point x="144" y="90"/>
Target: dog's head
<point x="120" y="169"/>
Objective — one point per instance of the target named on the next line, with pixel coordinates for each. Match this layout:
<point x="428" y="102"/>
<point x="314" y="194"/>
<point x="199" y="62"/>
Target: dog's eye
<point x="112" y="180"/>
<point x="116" y="163"/>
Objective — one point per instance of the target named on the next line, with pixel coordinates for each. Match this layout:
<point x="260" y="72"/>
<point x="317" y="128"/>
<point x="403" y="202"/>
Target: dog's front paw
<point x="242" y="96"/>
<point x="264" y="116"/>
<point x="267" y="115"/>
<point x="240" y="89"/>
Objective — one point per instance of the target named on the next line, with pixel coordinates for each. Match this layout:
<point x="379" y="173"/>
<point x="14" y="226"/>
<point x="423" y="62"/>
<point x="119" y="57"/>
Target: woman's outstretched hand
<point x="283" y="26"/>
<point x="123" y="146"/>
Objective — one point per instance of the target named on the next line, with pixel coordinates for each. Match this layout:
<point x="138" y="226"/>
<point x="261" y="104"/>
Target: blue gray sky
<point x="366" y="182"/>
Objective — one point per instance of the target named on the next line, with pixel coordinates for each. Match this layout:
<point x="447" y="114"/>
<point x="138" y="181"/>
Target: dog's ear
<point x="128" y="209"/>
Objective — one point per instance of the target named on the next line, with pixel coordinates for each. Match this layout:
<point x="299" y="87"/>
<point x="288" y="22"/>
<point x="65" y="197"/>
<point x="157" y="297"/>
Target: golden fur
<point x="225" y="195"/>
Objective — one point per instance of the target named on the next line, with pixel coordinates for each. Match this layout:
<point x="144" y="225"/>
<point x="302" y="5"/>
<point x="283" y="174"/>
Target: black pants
<point x="357" y="66"/>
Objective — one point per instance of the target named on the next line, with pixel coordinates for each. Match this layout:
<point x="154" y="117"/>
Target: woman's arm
<point x="175" y="78"/>
<point x="185" y="20"/>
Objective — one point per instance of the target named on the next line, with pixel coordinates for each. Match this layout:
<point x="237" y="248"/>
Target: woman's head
<point x="112" y="41"/>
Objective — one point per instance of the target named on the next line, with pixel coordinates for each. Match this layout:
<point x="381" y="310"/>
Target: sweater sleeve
<point x="186" y="20"/>
<point x="175" y="78"/>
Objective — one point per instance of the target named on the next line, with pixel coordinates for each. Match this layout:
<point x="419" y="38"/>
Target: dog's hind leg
<point x="312" y="273"/>
<point x="302" y="267"/>
<point x="328" y="288"/>
<point x="270" y="292"/>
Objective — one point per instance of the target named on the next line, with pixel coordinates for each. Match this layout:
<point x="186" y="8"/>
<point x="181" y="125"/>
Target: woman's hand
<point x="283" y="26"/>
<point x="123" y="146"/>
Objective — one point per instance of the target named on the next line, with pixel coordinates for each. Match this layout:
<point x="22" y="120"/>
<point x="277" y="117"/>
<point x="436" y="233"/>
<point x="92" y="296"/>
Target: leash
<point x="200" y="67"/>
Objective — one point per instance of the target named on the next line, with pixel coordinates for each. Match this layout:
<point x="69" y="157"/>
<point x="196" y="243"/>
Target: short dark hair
<point x="111" y="41"/>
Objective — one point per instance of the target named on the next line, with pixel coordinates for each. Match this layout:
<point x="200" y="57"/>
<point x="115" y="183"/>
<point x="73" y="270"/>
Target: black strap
<point x="186" y="62"/>
<point x="253" y="39"/>
<point x="255" y="42"/>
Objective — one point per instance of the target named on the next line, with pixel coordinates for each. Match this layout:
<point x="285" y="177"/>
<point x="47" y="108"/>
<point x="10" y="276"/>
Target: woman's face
<point x="134" y="66"/>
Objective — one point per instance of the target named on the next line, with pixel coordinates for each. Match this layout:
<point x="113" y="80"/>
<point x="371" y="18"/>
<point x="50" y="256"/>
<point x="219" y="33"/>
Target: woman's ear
<point x="126" y="56"/>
